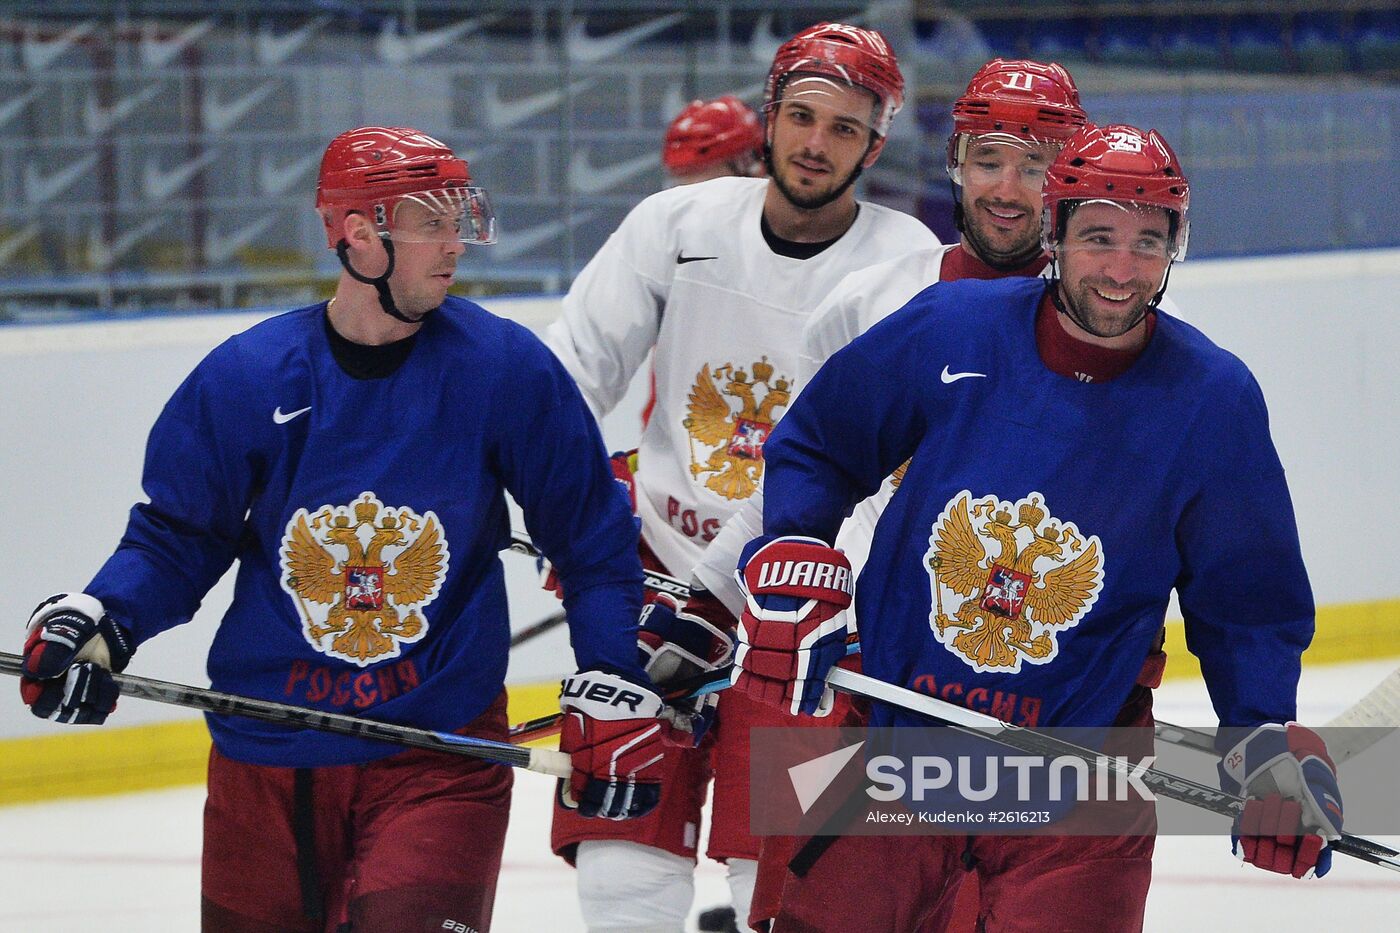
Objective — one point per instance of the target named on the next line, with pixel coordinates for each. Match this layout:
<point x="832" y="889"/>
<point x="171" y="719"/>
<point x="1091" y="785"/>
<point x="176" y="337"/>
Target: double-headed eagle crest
<point x="736" y="464"/>
<point x="1010" y="585"/>
<point x="335" y="565"/>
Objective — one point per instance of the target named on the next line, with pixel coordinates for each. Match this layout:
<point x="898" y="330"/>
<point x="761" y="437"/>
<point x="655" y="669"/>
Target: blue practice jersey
<point x="1024" y="565"/>
<point x="367" y="516"/>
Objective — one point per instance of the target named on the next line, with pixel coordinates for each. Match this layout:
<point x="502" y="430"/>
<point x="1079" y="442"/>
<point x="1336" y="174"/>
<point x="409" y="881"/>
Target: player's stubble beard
<point x="1079" y="302"/>
<point x="1021" y="252"/>
<point x="816" y="200"/>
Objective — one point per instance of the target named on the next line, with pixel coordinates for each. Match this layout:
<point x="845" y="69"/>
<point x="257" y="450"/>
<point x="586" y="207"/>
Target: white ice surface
<point x="131" y="863"/>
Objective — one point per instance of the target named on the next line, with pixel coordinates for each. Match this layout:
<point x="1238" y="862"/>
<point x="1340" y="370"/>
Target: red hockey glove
<point x="616" y="731"/>
<point x="794" y="625"/>
<point x="1294" y="807"/>
<point x="72" y="648"/>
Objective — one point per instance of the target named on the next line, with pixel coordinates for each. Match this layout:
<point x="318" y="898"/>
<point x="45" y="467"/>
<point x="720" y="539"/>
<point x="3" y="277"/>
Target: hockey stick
<point x="1160" y="783"/>
<point x="542" y="760"/>
<point x="1365" y="721"/>
<point x="547" y="624"/>
<point x="659" y="582"/>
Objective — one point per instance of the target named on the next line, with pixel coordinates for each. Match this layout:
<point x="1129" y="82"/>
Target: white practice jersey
<point x="689" y="273"/>
<point x="863" y="299"/>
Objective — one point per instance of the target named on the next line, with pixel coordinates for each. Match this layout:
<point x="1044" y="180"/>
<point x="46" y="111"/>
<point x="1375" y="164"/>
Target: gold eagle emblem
<point x="361" y="576"/>
<point x="1010" y="585"/>
<point x="736" y="462"/>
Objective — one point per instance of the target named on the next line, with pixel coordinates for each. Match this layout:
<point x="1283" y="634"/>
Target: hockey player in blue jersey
<point x="353" y="457"/>
<point x="1077" y="455"/>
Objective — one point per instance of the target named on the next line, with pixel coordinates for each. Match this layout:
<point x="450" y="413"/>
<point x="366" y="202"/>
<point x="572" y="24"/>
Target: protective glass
<point x="987" y="159"/>
<point x="1102" y="227"/>
<point x="832" y="98"/>
<point x="445" y="215"/>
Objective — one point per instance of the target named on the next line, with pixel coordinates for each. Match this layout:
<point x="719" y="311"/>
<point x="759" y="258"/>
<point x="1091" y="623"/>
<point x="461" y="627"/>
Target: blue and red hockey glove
<point x="793" y="630"/>
<point x="616" y="732"/>
<point x="1293" y="807"/>
<point x="69" y="656"/>
<point x="679" y="645"/>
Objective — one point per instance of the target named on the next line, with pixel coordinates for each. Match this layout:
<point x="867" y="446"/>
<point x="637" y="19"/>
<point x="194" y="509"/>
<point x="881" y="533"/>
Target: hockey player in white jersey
<point x="719" y="278"/>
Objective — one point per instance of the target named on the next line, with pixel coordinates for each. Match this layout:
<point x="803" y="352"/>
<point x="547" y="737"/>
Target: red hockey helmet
<point x="1030" y="101"/>
<point x="711" y="131"/>
<point x="374" y="169"/>
<point x="1122" y="164"/>
<point x="855" y="56"/>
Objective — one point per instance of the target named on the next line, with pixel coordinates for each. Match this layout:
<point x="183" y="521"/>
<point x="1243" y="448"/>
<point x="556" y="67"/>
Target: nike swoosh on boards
<point x="219" y="116"/>
<point x="159" y="183"/>
<point x="397" y="49"/>
<point x="587" y="178"/>
<point x="219" y="248"/>
<point x="278" y="179"/>
<point x="273" y="49"/>
<point x="104" y="255"/>
<point x="504" y="114"/>
<point x="99" y="119"/>
<point x="585" y="49"/>
<point x="157" y="52"/>
<point x="41" y="188"/>
<point x="39" y="54"/>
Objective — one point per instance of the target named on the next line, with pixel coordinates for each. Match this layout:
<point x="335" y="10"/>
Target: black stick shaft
<point x="546" y="761"/>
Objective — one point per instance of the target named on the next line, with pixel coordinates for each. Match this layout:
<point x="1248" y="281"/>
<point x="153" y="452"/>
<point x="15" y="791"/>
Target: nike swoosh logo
<point x="13" y="244"/>
<point x="586" y="178"/>
<point x="280" y="418"/>
<point x="219" y="249"/>
<point x="585" y="49"/>
<point x="399" y="50"/>
<point x="104" y="255"/>
<point x="39" y="54"/>
<point x="100" y="119"/>
<point x="682" y="258"/>
<point x="504" y="114"/>
<point x="157" y="52"/>
<point x="41" y="188"/>
<point x="276" y="179"/>
<point x="512" y="244"/>
<point x="12" y="108"/>
<point x="948" y="377"/>
<point x="764" y="42"/>
<point x="159" y="184"/>
<point x="219" y="116"/>
<point x="674" y="100"/>
<point x="274" y="49"/>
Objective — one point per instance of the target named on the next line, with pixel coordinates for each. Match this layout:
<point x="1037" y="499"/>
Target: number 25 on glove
<point x="794" y="625"/>
<point x="1293" y="806"/>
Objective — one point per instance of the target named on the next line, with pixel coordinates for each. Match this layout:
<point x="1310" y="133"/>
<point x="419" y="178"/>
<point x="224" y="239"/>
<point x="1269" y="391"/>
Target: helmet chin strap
<point x="1066" y="307"/>
<point x="380" y="283"/>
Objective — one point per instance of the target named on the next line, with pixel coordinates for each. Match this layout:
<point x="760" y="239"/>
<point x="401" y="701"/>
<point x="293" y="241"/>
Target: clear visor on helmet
<point x="989" y="159"/>
<point x="819" y="95"/>
<point x="1099" y="226"/>
<point x="444" y="215"/>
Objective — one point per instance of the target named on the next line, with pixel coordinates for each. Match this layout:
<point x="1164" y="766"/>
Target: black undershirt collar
<point x="361" y="361"/>
<point x="791" y="248"/>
